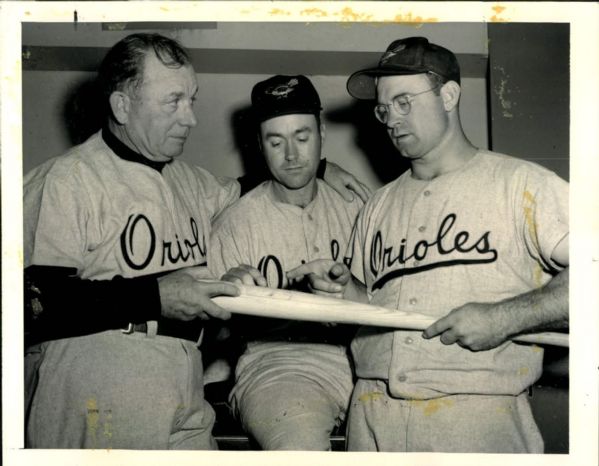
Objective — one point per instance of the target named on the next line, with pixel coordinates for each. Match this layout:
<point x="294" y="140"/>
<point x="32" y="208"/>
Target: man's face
<point x="423" y="128"/>
<point x="161" y="110"/>
<point x="291" y="145"/>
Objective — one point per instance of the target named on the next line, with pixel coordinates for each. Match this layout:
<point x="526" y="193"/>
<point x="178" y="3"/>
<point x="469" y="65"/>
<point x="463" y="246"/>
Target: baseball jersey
<point x="482" y="233"/>
<point x="106" y="216"/>
<point x="276" y="237"/>
<point x="107" y="211"/>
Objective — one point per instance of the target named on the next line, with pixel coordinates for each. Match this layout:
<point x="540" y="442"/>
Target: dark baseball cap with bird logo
<point x="412" y="55"/>
<point x="284" y="95"/>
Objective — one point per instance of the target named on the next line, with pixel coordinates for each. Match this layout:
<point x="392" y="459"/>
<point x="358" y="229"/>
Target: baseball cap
<point x="284" y="95"/>
<point x="412" y="55"/>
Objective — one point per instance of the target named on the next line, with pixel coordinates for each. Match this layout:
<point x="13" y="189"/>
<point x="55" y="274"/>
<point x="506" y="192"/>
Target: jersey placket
<point x="407" y="345"/>
<point x="313" y="249"/>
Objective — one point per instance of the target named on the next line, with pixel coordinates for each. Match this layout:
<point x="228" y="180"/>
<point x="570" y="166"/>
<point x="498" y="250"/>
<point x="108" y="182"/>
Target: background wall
<point x="530" y="92"/>
<point x="59" y="108"/>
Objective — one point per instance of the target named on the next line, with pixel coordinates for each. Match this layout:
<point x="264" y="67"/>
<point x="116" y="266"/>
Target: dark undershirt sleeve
<point x="58" y="304"/>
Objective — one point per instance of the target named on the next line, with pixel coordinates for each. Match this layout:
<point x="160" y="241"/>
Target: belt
<point x="185" y="330"/>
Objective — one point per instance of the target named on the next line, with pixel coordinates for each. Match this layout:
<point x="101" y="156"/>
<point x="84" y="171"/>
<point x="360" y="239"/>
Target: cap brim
<point x="361" y="85"/>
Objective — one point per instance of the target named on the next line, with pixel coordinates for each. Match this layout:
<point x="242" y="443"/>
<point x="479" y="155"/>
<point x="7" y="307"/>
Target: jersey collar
<point x="123" y="151"/>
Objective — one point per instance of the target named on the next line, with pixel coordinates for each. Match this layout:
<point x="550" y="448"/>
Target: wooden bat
<point x="295" y="305"/>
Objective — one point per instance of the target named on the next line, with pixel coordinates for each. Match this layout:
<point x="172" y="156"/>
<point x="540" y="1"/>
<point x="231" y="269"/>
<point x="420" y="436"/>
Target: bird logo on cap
<point x="283" y="90"/>
<point x="391" y="53"/>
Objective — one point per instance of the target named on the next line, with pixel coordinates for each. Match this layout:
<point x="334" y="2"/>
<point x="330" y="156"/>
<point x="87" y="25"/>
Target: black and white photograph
<point x="300" y="232"/>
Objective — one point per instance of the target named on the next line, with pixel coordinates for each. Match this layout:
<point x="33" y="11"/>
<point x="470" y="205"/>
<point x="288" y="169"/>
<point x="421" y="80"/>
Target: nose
<point x="188" y="117"/>
<point x="393" y="128"/>
<point x="394" y="118"/>
<point x="290" y="151"/>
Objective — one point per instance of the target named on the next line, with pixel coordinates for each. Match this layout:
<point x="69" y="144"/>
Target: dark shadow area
<point x="245" y="138"/>
<point x="549" y="400"/>
<point x="372" y="139"/>
<point x="84" y="111"/>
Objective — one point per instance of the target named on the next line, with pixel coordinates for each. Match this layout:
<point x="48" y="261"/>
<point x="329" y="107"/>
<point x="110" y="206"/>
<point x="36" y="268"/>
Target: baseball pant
<point x="456" y="423"/>
<point x="292" y="399"/>
<point x="117" y="391"/>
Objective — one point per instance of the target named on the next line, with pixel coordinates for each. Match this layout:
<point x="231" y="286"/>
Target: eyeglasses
<point x="402" y="104"/>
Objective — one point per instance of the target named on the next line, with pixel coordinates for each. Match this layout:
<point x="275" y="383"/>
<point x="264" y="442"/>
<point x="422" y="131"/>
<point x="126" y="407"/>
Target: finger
<point x="210" y="308"/>
<point x="320" y="284"/>
<point x="449" y="338"/>
<point x="326" y="294"/>
<point x="213" y="310"/>
<point x="362" y="191"/>
<point x="436" y="328"/>
<point x="299" y="272"/>
<point x="231" y="278"/>
<point x="213" y="289"/>
<point x="317" y="266"/>
<point x="339" y="273"/>
<point x="257" y="277"/>
<point x="347" y="192"/>
<point x="199" y="272"/>
<point x="239" y="275"/>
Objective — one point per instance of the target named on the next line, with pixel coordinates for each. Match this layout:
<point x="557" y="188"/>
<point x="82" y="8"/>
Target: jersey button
<point x="316" y="249"/>
<point x="413" y="301"/>
<point x="310" y="217"/>
<point x="402" y="377"/>
<point x="421" y="229"/>
<point x="409" y="340"/>
<point x="427" y="193"/>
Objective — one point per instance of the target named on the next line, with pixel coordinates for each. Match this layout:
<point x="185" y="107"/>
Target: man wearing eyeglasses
<point x="474" y="238"/>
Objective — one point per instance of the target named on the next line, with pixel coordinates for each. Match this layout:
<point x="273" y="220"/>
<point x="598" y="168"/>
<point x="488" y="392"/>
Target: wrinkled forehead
<point x="157" y="73"/>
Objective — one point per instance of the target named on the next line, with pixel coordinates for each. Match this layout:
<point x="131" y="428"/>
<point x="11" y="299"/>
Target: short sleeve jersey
<point x="107" y="216"/>
<point x="482" y="233"/>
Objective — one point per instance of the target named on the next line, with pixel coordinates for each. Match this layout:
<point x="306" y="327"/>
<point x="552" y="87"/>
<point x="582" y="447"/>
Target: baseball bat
<point x="295" y="305"/>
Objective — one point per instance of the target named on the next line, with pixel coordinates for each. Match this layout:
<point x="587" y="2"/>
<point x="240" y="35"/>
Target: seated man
<point x="294" y="379"/>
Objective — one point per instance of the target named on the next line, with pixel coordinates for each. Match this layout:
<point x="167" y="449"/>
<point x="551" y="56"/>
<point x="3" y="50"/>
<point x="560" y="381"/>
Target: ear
<point x="323" y="131"/>
<point x="450" y="93"/>
<point x="120" y="104"/>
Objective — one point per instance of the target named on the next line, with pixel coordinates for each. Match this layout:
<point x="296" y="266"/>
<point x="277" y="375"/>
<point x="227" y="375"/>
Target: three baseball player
<point x="475" y="238"/>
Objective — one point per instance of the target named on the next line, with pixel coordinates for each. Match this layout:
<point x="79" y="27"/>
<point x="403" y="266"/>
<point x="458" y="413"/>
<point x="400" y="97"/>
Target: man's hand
<point x="474" y="326"/>
<point x="324" y="276"/>
<point x="345" y="183"/>
<point x="184" y="296"/>
<point x="245" y="275"/>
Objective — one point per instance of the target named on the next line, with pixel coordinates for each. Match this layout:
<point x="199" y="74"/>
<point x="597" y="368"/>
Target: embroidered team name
<point x="139" y="230"/>
<point x="447" y="242"/>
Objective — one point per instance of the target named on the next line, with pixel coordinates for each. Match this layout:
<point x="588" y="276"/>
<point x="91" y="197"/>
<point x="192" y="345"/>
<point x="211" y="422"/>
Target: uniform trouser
<point x="292" y="399"/>
<point x="117" y="391"/>
<point x="456" y="423"/>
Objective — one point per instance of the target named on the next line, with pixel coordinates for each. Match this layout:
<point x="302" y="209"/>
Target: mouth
<point x="401" y="137"/>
